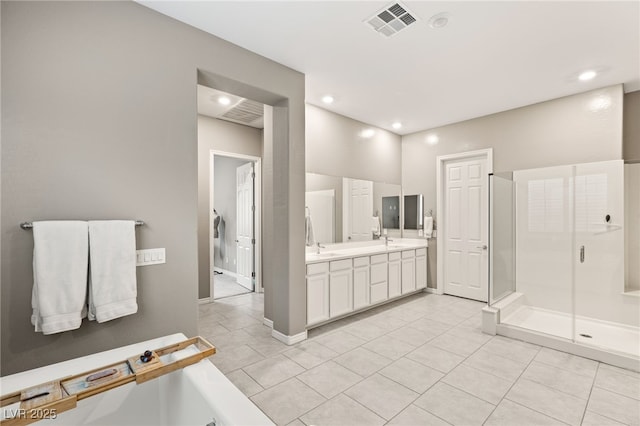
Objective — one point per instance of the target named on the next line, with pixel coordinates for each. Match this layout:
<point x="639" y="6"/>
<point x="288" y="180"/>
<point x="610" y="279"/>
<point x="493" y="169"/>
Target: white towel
<point x="60" y="258"/>
<point x="428" y="226"/>
<point x="375" y="226"/>
<point x="112" y="282"/>
<point x="308" y="232"/>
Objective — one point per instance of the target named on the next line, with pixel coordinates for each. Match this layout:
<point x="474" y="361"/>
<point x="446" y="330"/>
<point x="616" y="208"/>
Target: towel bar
<point x="29" y="225"/>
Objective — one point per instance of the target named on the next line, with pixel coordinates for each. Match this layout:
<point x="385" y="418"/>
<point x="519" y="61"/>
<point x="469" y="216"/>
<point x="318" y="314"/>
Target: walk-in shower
<point x="557" y="260"/>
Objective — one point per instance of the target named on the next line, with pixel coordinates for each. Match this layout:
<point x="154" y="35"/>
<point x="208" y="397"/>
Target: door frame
<point x="441" y="161"/>
<point x="257" y="226"/>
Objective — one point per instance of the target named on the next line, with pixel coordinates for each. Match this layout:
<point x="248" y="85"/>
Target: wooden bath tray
<point x="47" y="400"/>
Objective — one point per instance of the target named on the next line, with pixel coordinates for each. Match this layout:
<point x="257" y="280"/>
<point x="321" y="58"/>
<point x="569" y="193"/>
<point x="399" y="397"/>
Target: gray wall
<point x="631" y="126"/>
<point x="217" y="135"/>
<point x="99" y="121"/>
<point x="335" y="148"/>
<point x="631" y="135"/>
<point x="574" y="129"/>
<point x="225" y="200"/>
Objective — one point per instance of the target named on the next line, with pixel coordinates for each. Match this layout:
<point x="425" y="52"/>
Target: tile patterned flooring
<point x="226" y="286"/>
<point x="422" y="360"/>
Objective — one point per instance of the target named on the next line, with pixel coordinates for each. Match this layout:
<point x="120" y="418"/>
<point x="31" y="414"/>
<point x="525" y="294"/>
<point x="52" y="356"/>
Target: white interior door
<point x="359" y="211"/>
<point x="465" y="226"/>
<point x="244" y="225"/>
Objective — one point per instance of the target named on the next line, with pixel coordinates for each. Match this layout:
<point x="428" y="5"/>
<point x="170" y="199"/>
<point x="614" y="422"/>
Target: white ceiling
<point x="491" y="57"/>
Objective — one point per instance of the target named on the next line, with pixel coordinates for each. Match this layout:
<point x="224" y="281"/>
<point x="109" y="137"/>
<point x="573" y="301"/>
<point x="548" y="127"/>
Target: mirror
<point x="413" y="211"/>
<point x="344" y="209"/>
<point x="391" y="212"/>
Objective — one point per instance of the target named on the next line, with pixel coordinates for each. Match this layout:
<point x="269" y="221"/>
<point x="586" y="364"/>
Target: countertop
<point x="348" y="250"/>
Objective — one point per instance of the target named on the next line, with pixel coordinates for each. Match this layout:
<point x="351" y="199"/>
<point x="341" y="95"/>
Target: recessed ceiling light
<point x="396" y="125"/>
<point x="432" y="139"/>
<point x="587" y="75"/>
<point x="223" y="100"/>
<point x="327" y="99"/>
<point x="439" y="20"/>
<point x="367" y="133"/>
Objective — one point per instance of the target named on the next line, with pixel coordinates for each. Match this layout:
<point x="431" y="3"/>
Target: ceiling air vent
<point x="246" y="112"/>
<point x="391" y="20"/>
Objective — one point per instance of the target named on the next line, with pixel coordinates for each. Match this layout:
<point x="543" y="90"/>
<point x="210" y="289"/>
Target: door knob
<point x="483" y="247"/>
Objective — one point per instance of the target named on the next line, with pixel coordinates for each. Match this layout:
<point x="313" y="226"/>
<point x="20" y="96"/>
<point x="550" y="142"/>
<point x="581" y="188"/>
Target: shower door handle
<point x="581" y="254"/>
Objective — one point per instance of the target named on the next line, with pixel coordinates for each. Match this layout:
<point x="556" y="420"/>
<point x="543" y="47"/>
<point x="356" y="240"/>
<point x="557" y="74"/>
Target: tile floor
<point x="419" y="361"/>
<point x="226" y="286"/>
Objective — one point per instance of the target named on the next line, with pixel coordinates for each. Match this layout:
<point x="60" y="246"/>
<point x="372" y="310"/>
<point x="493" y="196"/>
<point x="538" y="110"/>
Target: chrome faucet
<point x="386" y="240"/>
<point x="318" y="247"/>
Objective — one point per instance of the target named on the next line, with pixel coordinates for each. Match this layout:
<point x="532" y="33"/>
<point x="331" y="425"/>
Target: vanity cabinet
<point x="361" y="282"/>
<point x="394" y="274"/>
<point x="379" y="278"/>
<point x="421" y="268"/>
<point x="317" y="293"/>
<point x="340" y="287"/>
<point x="408" y="273"/>
<point x="336" y="288"/>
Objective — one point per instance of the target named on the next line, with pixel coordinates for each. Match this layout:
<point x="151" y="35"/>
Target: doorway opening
<point x="234" y="221"/>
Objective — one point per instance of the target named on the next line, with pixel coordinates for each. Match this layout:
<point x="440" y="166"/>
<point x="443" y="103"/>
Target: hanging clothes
<point x="221" y="232"/>
<point x="216" y="223"/>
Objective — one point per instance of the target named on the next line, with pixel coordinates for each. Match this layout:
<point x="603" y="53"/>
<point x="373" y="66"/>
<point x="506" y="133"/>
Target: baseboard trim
<point x="204" y="301"/>
<point x="267" y="322"/>
<point x="289" y="340"/>
<point x="430" y="290"/>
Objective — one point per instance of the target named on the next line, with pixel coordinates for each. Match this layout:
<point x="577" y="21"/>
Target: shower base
<point x="607" y="335"/>
<point x="611" y="343"/>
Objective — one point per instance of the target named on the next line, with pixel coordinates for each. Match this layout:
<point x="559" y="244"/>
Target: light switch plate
<point x="150" y="257"/>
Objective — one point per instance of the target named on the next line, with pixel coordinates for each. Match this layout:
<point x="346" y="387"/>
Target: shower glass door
<point x="558" y="238"/>
<point x="502" y="236"/>
<point x="605" y="316"/>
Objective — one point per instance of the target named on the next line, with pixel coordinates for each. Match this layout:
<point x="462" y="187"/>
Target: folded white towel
<point x="60" y="258"/>
<point x="112" y="282"/>
<point x="308" y="231"/>
<point x="428" y="226"/>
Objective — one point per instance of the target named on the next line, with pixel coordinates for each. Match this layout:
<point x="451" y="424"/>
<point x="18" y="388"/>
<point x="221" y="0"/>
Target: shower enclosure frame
<point x="584" y="295"/>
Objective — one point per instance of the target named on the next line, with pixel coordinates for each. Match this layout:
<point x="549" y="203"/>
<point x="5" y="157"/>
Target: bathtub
<point x="195" y="395"/>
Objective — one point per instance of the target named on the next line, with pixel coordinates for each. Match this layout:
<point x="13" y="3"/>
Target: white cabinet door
<point x="421" y="271"/>
<point x="317" y="298"/>
<point x="408" y="271"/>
<point x="394" y="278"/>
<point x="361" y="287"/>
<point x="340" y="292"/>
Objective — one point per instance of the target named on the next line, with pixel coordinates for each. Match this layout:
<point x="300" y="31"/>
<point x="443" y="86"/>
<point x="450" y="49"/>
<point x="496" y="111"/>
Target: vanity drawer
<point x="318" y="268"/>
<point x="361" y="261"/>
<point x="408" y="254"/>
<point x="339" y="265"/>
<point x="394" y="256"/>
<point x="378" y="258"/>
<point x="421" y="252"/>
